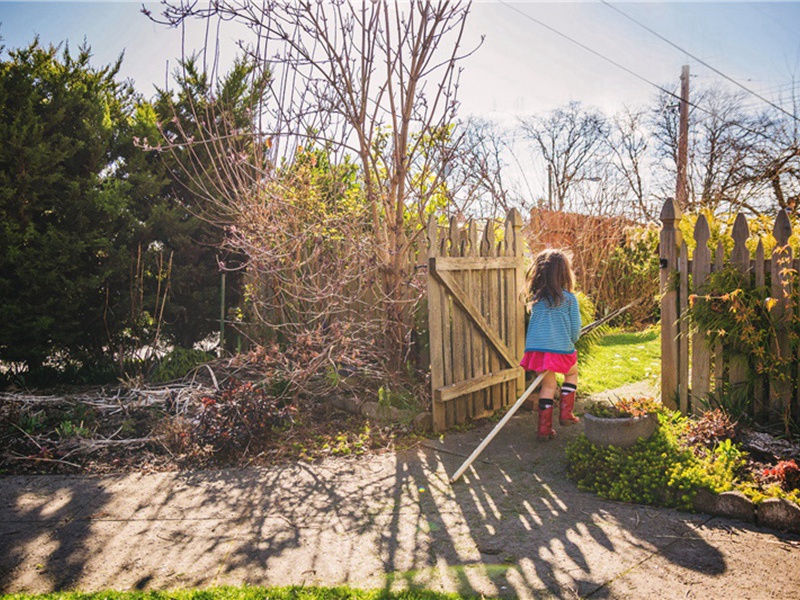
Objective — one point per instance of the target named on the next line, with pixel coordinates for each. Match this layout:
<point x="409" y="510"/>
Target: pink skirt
<point x="548" y="361"/>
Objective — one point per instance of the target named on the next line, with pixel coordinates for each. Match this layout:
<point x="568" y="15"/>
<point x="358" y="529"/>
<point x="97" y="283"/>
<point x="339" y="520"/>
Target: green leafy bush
<point x="178" y="363"/>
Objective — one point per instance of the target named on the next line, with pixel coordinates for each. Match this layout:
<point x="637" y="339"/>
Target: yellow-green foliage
<point x="721" y="228"/>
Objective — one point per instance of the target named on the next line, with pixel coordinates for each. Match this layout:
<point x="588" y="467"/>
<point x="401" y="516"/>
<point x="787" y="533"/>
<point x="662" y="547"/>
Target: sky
<point x="535" y="56"/>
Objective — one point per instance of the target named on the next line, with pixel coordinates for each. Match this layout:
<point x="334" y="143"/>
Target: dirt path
<point x="513" y="526"/>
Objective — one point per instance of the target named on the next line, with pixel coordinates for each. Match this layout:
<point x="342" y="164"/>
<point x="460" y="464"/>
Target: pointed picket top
<point x="508" y="239"/>
<point x="701" y="231"/>
<point x="740" y="228"/>
<point x="782" y="229"/>
<point x="740" y="256"/>
<point x="472" y="237"/>
<point x="487" y="243"/>
<point x="454" y="235"/>
<point x="433" y="236"/>
<point x="514" y="224"/>
<point x="670" y="212"/>
<point x="701" y="265"/>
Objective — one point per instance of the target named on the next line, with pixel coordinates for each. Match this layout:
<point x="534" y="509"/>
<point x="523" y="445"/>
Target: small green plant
<point x="178" y="363"/>
<point x="32" y="422"/>
<point x="68" y="429"/>
<point x="398" y="399"/>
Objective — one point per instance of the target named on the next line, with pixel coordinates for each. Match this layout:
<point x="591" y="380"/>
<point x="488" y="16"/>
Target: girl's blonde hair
<point x="549" y="275"/>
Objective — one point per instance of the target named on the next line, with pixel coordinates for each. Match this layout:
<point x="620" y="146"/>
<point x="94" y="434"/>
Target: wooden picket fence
<point x="685" y="381"/>
<point x="476" y="318"/>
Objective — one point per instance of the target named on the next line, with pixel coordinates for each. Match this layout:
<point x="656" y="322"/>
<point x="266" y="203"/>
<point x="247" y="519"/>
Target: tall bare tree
<point x="569" y="140"/>
<point x="477" y="175"/>
<point x="629" y="145"/>
<point x="724" y="138"/>
<point x="372" y="79"/>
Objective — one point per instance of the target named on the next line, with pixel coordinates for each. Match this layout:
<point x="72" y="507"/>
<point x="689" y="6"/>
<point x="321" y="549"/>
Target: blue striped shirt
<point x="554" y="328"/>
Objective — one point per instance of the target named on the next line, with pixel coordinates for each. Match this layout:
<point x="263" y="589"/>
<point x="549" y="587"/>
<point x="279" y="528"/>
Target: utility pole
<point x="682" y="184"/>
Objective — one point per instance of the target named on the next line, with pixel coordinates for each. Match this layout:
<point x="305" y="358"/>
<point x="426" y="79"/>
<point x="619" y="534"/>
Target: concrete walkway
<point x="513" y="526"/>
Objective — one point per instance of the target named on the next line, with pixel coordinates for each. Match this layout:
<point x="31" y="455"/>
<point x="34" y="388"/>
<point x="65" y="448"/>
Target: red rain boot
<point x="546" y="430"/>
<point x="565" y="416"/>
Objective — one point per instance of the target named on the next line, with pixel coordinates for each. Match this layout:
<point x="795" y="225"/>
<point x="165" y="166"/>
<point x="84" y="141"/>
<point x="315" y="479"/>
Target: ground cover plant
<point x="684" y="456"/>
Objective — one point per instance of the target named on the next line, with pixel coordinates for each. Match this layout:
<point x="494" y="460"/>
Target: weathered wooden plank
<point x="701" y="353"/>
<point x="669" y="245"/>
<point x="459" y="323"/>
<point x="474" y="339"/>
<point x="447" y="325"/>
<point x="719" y="360"/>
<point x="781" y="389"/>
<point x="467" y="263"/>
<point x="740" y="259"/>
<point x="503" y="314"/>
<point x="492" y="312"/>
<point x="517" y="343"/>
<point x="760" y="383"/>
<point x="435" y="328"/>
<point x="683" y="329"/>
<point x="480" y="382"/>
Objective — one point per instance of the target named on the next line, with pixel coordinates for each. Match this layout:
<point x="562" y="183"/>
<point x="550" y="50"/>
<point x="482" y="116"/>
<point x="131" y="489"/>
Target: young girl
<point x="554" y="328"/>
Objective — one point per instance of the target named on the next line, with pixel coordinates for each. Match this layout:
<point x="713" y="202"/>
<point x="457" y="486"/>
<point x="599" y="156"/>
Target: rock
<point x="347" y="403"/>
<point x="778" y="513"/>
<point x="705" y="501"/>
<point x="423" y="422"/>
<point x="373" y="410"/>
<point x="767" y="446"/>
<point x="735" y="505"/>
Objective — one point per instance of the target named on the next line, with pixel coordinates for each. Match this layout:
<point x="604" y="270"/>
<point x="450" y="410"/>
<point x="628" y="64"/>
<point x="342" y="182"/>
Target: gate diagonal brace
<point x="460" y="297"/>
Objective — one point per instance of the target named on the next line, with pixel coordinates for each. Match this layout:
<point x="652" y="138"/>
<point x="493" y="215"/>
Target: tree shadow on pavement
<point x="514" y="526"/>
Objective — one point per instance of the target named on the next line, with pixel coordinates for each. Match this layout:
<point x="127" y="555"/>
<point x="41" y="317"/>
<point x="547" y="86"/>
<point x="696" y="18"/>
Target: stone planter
<point x="622" y="433"/>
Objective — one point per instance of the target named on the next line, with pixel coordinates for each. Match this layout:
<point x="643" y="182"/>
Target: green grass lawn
<point x="246" y="593"/>
<point x="620" y="358"/>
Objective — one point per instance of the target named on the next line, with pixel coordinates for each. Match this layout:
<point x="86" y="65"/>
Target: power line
<point x="627" y="70"/>
<point x="587" y="48"/>
<point x="701" y="61"/>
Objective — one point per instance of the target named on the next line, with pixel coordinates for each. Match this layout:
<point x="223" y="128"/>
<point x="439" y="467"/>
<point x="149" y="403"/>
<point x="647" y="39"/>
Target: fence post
<point x="669" y="242"/>
<point x="701" y="353"/>
<point x="518" y="249"/>
<point x="719" y="361"/>
<point x="759" y="395"/>
<point x="435" y="327"/>
<point x="740" y="258"/>
<point x="781" y="389"/>
<point x="683" y="329"/>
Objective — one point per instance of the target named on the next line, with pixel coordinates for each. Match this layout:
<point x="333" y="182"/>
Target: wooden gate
<point x="476" y="318"/>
